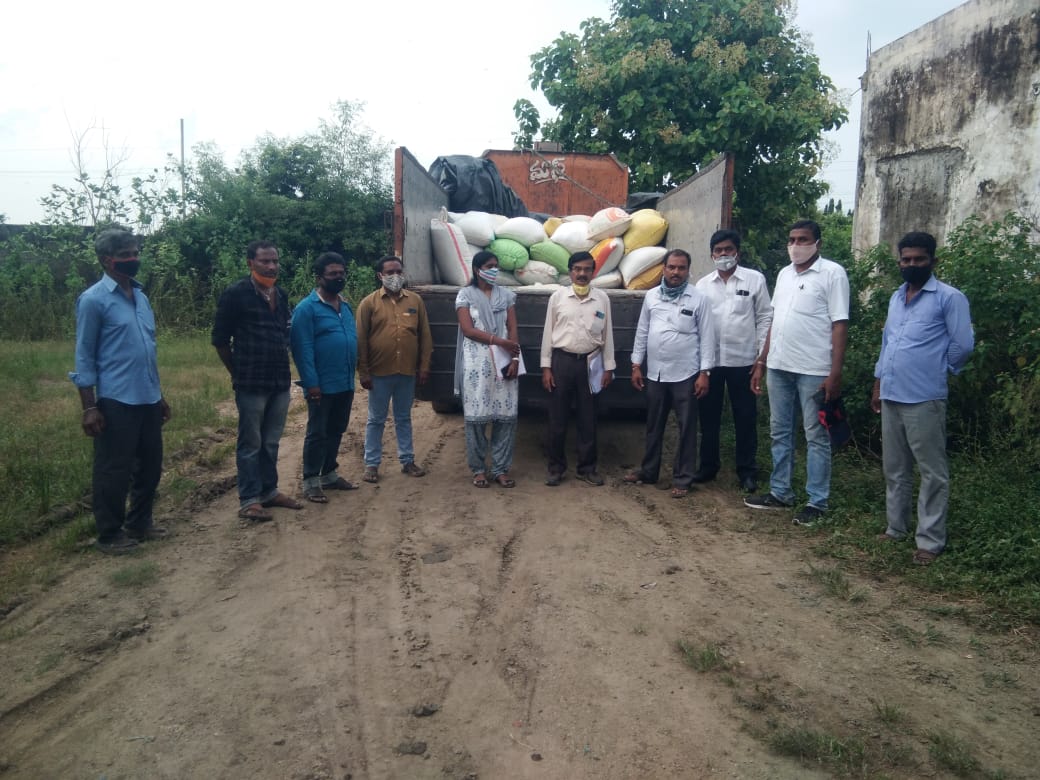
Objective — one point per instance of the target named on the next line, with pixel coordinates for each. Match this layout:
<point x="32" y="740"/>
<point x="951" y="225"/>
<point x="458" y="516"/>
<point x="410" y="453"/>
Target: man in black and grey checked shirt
<point x="251" y="335"/>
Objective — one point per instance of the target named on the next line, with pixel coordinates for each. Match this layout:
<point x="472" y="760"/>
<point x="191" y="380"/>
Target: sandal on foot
<point x="283" y="501"/>
<point x="255" y="513"/>
<point x="340" y="484"/>
<point x="680" y="492"/>
<point x="315" y="494"/>
<point x="505" y="481"/>
<point x="480" y="481"/>
<point x="633" y="478"/>
<point x="371" y="474"/>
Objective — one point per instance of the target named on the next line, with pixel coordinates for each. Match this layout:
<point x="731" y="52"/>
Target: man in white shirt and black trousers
<point x="740" y="302"/>
<point x="676" y="336"/>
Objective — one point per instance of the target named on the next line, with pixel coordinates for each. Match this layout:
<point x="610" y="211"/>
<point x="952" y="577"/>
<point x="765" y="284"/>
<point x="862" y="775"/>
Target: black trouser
<point x="327" y="419"/>
<point x="127" y="459"/>
<point x="661" y="399"/>
<point x="738" y="380"/>
<point x="571" y="373"/>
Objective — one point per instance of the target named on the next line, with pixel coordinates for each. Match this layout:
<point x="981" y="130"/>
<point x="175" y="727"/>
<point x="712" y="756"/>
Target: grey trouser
<point x="916" y="433"/>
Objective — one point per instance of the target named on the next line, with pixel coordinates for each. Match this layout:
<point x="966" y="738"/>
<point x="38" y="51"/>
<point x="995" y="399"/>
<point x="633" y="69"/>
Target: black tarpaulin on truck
<point x="474" y="184"/>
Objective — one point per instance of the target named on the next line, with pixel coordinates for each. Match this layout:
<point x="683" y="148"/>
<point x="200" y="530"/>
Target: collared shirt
<point x="923" y="340"/>
<point x="115" y="344"/>
<point x="258" y="337"/>
<point x="677" y="338"/>
<point x="578" y="325"/>
<point x="324" y="344"/>
<point x="805" y="306"/>
<point x="393" y="335"/>
<point x="742" y="312"/>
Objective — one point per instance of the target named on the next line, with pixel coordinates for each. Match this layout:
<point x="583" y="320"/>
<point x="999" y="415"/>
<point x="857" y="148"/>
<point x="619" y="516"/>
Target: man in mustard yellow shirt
<point x="394" y="346"/>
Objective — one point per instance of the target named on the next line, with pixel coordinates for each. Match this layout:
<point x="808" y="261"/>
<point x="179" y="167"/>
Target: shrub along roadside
<point x="47" y="459"/>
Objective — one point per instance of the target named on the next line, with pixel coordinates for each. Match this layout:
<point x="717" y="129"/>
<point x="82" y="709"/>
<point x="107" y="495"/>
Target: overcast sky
<point x="439" y="78"/>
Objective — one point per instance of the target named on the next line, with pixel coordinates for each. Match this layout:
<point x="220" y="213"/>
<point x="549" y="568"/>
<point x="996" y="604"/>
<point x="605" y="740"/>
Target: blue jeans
<point x="261" y="420"/>
<point x="790" y="393"/>
<point x="400" y="388"/>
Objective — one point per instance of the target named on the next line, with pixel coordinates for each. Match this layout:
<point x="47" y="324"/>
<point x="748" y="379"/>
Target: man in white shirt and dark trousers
<point x="742" y="312"/>
<point x="577" y="329"/>
<point x="804" y="353"/>
<point x="676" y="335"/>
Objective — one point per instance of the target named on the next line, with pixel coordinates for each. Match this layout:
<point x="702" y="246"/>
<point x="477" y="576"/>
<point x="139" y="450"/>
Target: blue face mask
<point x="489" y="275"/>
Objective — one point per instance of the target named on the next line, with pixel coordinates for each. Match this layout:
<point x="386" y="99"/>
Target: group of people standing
<point x="694" y="344"/>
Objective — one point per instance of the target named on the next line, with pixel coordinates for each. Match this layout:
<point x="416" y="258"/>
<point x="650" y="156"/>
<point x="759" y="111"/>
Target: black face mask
<point x="916" y="275"/>
<point x="333" y="286"/>
<point x="126" y="267"/>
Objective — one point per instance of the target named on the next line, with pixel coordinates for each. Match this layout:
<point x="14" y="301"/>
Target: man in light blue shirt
<point x="927" y="334"/>
<point x="123" y="409"/>
<point x="676" y="336"/>
<point x="324" y="347"/>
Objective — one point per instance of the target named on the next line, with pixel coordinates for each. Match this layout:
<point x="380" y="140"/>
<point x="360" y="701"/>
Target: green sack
<point x="552" y="253"/>
<point x="511" y="254"/>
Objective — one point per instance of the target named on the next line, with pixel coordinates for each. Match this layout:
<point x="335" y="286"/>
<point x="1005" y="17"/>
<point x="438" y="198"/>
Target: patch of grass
<point x="46" y="460"/>
<point x="49" y="661"/>
<point x="905" y="633"/>
<point x="706" y="658"/>
<point x="933" y="636"/>
<point x="846" y="755"/>
<point x="1002" y="679"/>
<point x="952" y="753"/>
<point x="889" y="714"/>
<point x="835" y="584"/>
<point x="138" y="574"/>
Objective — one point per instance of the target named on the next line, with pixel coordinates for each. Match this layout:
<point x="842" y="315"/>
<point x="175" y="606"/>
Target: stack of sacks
<point x="624" y="246"/>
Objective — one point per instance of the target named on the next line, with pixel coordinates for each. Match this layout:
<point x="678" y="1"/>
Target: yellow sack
<point x="551" y="224"/>
<point x="647" y="280"/>
<point x="648" y="228"/>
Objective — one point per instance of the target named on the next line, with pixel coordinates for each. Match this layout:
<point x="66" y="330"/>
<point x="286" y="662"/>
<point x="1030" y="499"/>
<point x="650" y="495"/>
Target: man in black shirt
<point x="251" y="335"/>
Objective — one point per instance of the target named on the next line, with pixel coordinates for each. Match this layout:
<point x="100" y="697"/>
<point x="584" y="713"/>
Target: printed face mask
<point x="393" y="283"/>
<point x="800" y="253"/>
<point x="489" y="275"/>
<point x="725" y="262"/>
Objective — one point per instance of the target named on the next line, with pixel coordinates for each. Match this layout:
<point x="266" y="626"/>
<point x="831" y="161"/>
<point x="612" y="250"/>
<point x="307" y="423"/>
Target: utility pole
<point x="183" y="186"/>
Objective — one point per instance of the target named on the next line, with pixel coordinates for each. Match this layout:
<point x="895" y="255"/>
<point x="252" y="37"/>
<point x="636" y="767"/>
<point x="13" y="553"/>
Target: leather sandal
<point x="255" y="513"/>
<point x="480" y="481"/>
<point x="316" y="494"/>
<point x="505" y="481"/>
<point x="283" y="501"/>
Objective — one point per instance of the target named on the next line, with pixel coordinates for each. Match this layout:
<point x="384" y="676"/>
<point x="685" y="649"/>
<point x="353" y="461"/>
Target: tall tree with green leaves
<point x="669" y="84"/>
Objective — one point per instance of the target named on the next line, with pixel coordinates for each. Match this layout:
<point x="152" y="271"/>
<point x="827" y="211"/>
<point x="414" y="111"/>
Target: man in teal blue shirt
<point x="927" y="335"/>
<point x="123" y="408"/>
<point x="324" y="347"/>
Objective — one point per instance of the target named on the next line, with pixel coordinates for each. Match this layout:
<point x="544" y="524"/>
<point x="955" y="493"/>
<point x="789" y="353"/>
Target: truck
<point x="549" y="183"/>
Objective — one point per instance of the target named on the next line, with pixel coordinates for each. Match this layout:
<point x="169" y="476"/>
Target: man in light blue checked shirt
<point x="927" y="334"/>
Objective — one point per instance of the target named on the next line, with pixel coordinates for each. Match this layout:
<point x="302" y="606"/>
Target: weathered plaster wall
<point x="951" y="123"/>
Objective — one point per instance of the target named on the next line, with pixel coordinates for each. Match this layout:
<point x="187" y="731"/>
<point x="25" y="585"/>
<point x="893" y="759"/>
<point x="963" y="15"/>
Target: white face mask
<point x="800" y="253"/>
<point x="393" y="282"/>
<point x="725" y="262"/>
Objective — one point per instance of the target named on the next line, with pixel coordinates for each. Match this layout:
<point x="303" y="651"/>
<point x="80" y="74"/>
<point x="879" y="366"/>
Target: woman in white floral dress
<point x="487" y="320"/>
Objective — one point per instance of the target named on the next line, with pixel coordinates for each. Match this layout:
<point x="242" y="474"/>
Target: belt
<point x="573" y="355"/>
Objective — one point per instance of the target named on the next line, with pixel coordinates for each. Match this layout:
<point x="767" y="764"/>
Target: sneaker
<point x="413" y="470"/>
<point x="149" y="534"/>
<point x="120" y="544"/>
<point x="591" y="477"/>
<point x="766" y="501"/>
<point x="809" y="515"/>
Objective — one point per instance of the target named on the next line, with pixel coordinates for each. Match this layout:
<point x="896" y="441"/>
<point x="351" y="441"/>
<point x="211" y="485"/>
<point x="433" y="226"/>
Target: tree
<point x="669" y="84"/>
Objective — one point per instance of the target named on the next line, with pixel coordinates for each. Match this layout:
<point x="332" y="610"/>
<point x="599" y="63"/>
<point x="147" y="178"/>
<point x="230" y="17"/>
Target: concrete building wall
<point x="951" y="123"/>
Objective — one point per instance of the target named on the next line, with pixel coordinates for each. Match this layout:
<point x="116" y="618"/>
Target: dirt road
<point x="422" y="628"/>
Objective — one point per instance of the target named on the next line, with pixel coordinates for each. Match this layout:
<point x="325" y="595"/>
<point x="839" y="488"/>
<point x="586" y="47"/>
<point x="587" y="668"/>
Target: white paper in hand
<point x="503" y="358"/>
<point x="596" y="372"/>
